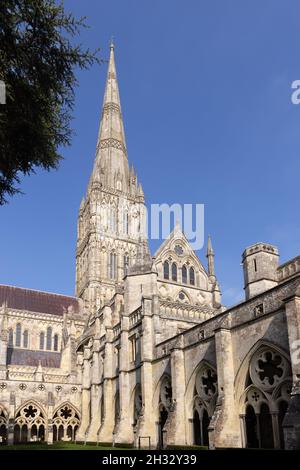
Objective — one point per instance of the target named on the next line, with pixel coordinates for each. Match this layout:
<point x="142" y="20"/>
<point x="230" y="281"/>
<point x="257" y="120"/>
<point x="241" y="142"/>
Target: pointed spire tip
<point x="112" y="44"/>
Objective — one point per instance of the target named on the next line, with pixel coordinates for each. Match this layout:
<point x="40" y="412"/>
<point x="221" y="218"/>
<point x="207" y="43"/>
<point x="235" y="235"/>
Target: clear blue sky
<point x="205" y="89"/>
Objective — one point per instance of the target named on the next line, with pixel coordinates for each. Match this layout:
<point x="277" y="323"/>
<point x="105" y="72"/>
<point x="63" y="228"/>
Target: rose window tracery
<point x="267" y="395"/>
<point x="65" y="423"/>
<point x="268" y="368"/>
<point x="206" y="383"/>
<point x="30" y="415"/>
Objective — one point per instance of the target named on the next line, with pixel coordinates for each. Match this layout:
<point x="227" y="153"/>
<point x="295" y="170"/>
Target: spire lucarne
<point x="110" y="215"/>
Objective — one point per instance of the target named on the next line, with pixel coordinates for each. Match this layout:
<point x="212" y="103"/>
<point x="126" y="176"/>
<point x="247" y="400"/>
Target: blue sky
<point x="206" y="97"/>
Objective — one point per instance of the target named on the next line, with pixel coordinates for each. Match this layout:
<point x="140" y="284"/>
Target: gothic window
<point x="184" y="274"/>
<point x="178" y="250"/>
<point x="25" y="339"/>
<point x="55" y="343"/>
<point x="3" y="425"/>
<point x="113" y="266"/>
<point x="10" y="338"/>
<point x="174" y="272"/>
<point x="112" y="220"/>
<point x="42" y="340"/>
<point x="138" y="404"/>
<point x="125" y="223"/>
<point x="49" y="338"/>
<point x="18" y="335"/>
<point x="192" y="276"/>
<point x="29" y="424"/>
<point x="166" y="270"/>
<point x="205" y="397"/>
<point x="165" y="404"/>
<point x="126" y="264"/>
<point x="201" y="421"/>
<point x="65" y="423"/>
<point x="268" y="389"/>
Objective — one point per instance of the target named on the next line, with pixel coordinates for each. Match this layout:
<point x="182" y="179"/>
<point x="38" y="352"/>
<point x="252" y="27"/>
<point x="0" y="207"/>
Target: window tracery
<point x="266" y="398"/>
<point x="65" y="423"/>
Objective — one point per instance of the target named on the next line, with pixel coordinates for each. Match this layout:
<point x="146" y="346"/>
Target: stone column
<point x="175" y="426"/>
<point x="291" y="422"/>
<point x="11" y="419"/>
<point x="147" y="425"/>
<point x="224" y="428"/>
<point x="125" y="431"/>
<point x="85" y="395"/>
<point x="95" y="394"/>
<point x="49" y="420"/>
<point x="107" y="420"/>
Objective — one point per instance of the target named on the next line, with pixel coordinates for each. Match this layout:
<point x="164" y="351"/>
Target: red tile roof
<point x="37" y="301"/>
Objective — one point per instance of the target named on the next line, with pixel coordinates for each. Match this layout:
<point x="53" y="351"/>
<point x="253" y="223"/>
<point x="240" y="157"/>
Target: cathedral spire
<point x="111" y="164"/>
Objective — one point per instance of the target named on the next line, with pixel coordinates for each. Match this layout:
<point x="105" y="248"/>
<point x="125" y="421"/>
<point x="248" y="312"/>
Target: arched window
<point x="192" y="276"/>
<point x="112" y="221"/>
<point x="126" y="264"/>
<point x="49" y="338"/>
<point x="18" y="335"/>
<point x="174" y="272"/>
<point x="42" y="340"/>
<point x="25" y="339"/>
<point x="184" y="274"/>
<point x="166" y="270"/>
<point x="113" y="266"/>
<point x="125" y="223"/>
<point x="55" y="343"/>
<point x="10" y="338"/>
<point x="268" y="388"/>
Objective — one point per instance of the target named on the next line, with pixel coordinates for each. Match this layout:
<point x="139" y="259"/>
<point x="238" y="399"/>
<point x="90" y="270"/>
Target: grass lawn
<point x="58" y="446"/>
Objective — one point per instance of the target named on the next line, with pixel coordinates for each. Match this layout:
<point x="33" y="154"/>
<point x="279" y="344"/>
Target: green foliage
<point x="37" y="62"/>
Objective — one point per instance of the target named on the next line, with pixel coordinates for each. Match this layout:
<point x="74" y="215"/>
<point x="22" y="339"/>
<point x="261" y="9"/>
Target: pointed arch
<point x="166" y="268"/>
<point x="184" y="274"/>
<point x="66" y="421"/>
<point x="33" y="403"/>
<point x="189" y="391"/>
<point x="240" y="381"/>
<point x="55" y="342"/>
<point x="49" y="338"/>
<point x="42" y="340"/>
<point x="18" y="335"/>
<point x="67" y="403"/>
<point x="263" y="386"/>
<point x="174" y="271"/>
<point x="192" y="276"/>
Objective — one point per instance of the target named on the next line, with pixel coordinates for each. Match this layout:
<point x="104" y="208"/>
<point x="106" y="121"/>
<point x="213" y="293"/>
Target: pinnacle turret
<point x="210" y="258"/>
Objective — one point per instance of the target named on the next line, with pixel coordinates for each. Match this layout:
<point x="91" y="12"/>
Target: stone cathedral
<point x="146" y="354"/>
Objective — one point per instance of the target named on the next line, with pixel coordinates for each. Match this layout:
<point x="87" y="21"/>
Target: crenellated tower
<point x="111" y="216"/>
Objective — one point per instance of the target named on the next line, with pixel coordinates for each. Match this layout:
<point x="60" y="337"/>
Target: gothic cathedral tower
<point x="111" y="216"/>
